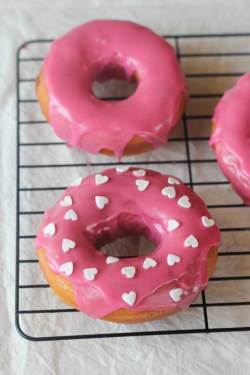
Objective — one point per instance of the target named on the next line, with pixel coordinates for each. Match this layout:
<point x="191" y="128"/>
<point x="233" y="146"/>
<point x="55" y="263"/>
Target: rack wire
<point x="212" y="64"/>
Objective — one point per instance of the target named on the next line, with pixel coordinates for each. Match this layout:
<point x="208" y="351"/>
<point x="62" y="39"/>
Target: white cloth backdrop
<point x="225" y="353"/>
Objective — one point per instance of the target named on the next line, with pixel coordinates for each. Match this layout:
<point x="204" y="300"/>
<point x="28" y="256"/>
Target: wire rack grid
<point x="212" y="64"/>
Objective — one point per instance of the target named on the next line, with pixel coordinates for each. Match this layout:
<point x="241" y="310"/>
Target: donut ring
<point x="99" y="51"/>
<point x="231" y="136"/>
<point x="106" y="206"/>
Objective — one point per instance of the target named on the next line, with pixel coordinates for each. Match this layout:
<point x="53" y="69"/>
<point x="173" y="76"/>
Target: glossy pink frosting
<point x="231" y="137"/>
<point x="114" y="204"/>
<point x="123" y="49"/>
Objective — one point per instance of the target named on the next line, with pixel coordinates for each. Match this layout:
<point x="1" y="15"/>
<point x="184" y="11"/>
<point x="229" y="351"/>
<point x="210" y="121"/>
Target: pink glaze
<point x="231" y="137"/>
<point x="121" y="49"/>
<point x="176" y="269"/>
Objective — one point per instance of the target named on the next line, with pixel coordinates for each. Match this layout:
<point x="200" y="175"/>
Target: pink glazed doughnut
<point x="231" y="136"/>
<point x="99" y="51"/>
<point x="115" y="204"/>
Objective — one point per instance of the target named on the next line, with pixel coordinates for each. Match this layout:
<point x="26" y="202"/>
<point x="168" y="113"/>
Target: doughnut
<point x="115" y="204"/>
<point x="103" y="50"/>
<point x="231" y="136"/>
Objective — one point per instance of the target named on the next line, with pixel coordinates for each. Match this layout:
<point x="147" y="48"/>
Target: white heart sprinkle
<point x="101" y="201"/>
<point x="67" y="201"/>
<point x="50" y="229"/>
<point x="128" y="271"/>
<point x="191" y="241"/>
<point x="139" y="173"/>
<point x="67" y="245"/>
<point x="172" y="225"/>
<point x="184" y="202"/>
<point x="71" y="215"/>
<point x="207" y="222"/>
<point x="129" y="298"/>
<point x="77" y="182"/>
<point x="169" y="191"/>
<point x="111" y="259"/>
<point x="195" y="289"/>
<point x="90" y="273"/>
<point x="100" y="179"/>
<point x="176" y="294"/>
<point x="142" y="184"/>
<point x="172" y="181"/>
<point x="172" y="259"/>
<point x="67" y="268"/>
<point x="122" y="169"/>
<point x="149" y="262"/>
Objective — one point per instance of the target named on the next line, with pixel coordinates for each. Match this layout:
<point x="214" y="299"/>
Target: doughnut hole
<point x="130" y="246"/>
<point x="115" y="83"/>
<point x="124" y="236"/>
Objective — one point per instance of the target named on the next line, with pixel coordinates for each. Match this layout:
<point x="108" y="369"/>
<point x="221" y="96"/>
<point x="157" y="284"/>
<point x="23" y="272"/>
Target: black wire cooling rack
<point x="212" y="64"/>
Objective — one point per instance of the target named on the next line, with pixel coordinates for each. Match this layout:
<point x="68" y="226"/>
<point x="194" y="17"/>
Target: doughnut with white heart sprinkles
<point x="113" y="204"/>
